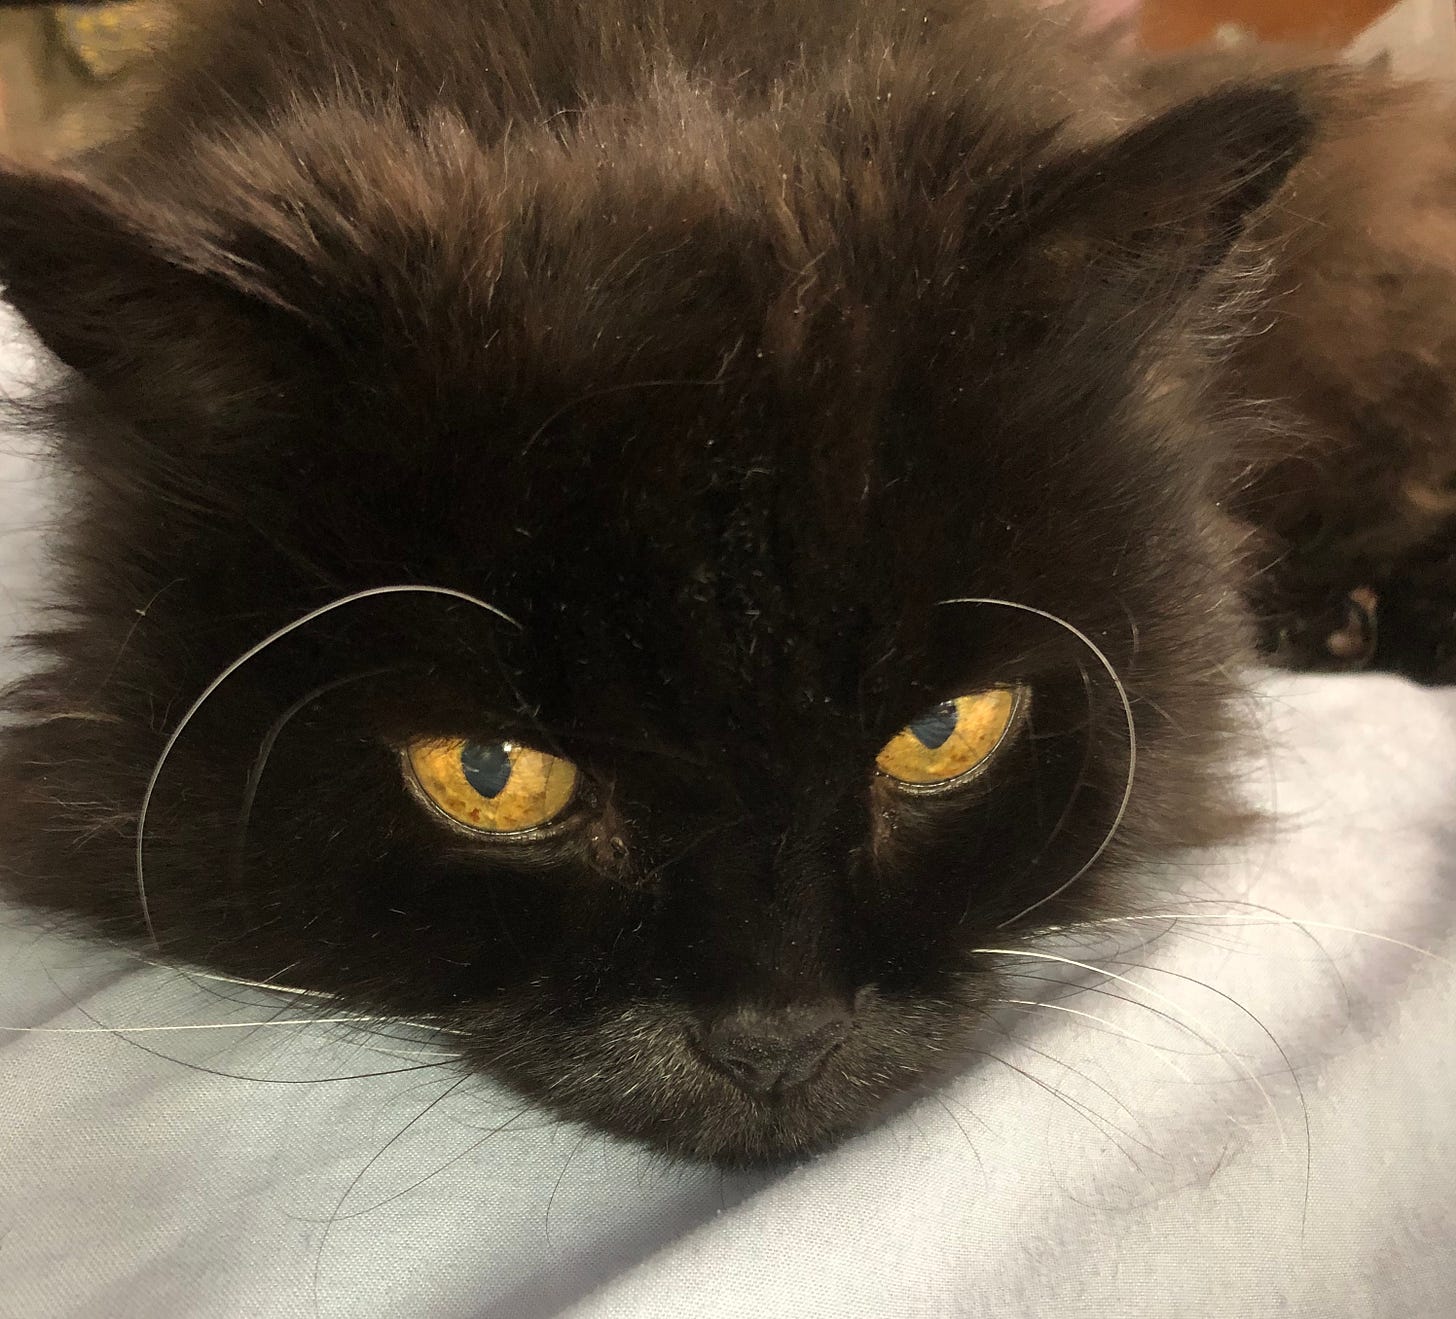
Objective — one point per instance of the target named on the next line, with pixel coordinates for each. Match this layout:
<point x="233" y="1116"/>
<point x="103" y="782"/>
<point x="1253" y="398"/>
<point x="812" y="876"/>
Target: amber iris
<point x="950" y="741"/>
<point x="495" y="787"/>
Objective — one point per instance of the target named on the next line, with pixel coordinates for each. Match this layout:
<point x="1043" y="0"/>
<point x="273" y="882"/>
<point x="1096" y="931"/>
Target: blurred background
<point x="64" y="68"/>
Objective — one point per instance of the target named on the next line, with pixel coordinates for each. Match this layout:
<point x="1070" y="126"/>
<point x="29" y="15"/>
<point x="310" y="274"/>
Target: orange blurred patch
<point x="1173" y="24"/>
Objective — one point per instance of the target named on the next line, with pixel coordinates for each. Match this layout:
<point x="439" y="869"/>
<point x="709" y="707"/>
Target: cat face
<point x="811" y="536"/>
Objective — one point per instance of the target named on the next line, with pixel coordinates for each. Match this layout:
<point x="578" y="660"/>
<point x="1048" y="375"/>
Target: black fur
<point x="718" y="345"/>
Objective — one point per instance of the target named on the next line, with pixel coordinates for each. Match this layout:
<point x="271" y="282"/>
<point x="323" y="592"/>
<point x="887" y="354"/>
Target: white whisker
<point x="251" y="653"/>
<point x="272" y="986"/>
<point x="1122" y="696"/>
<point x="419" y="1023"/>
<point x="1098" y="1121"/>
<point x="1288" y="1065"/>
<point x="1096" y="1085"/>
<point x="1174" y="1006"/>
<point x="1157" y="1050"/>
<point x="1269" y="918"/>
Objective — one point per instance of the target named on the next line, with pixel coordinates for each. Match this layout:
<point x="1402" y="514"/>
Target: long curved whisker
<point x="252" y="653"/>
<point x="1089" y="1115"/>
<point x="1096" y="1085"/>
<point x="120" y="1033"/>
<point x="1066" y="812"/>
<point x="270" y="739"/>
<point x="420" y="1022"/>
<point x="1172" y="1004"/>
<point x="1132" y="744"/>
<point x="374" y="1158"/>
<point x="560" y="1178"/>
<point x="960" y="1126"/>
<point x="1269" y="918"/>
<point x="1283" y="1054"/>
<point x="1075" y="990"/>
<point x="435" y="1172"/>
<point x="1114" y="1029"/>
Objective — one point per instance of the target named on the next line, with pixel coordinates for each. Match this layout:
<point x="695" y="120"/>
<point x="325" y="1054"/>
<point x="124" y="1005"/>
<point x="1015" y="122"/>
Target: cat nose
<point x="764" y="1051"/>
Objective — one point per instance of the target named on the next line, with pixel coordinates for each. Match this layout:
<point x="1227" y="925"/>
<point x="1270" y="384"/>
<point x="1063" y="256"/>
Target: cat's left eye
<point x="492" y="787"/>
<point x="951" y="741"/>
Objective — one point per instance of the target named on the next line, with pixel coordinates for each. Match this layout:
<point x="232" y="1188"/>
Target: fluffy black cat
<point x="821" y="453"/>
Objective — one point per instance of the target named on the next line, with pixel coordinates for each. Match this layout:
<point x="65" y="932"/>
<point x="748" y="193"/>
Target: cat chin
<point x="636" y="1074"/>
<point x="742" y="1132"/>
<point x="774" y="1143"/>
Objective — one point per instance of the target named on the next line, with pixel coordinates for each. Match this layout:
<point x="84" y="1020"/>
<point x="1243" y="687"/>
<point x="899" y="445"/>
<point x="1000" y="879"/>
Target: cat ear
<point x="1178" y="191"/>
<point x="145" y="306"/>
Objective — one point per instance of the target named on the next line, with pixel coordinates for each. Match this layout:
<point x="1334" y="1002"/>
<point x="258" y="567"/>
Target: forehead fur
<point x="669" y="232"/>
<point x="735" y="368"/>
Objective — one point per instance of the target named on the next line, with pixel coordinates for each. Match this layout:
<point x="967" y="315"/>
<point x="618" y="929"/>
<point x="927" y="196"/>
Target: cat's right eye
<point x="500" y="788"/>
<point x="951" y="741"/>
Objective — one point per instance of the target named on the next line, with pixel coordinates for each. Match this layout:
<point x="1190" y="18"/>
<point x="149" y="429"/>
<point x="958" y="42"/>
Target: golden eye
<point x="495" y="787"/>
<point x="951" y="740"/>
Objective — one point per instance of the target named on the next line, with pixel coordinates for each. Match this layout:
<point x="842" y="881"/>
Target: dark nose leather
<point x="763" y="1051"/>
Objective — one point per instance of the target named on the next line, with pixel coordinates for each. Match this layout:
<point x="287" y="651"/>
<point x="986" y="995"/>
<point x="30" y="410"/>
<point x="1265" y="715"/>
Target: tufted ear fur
<point x="1173" y="194"/>
<point x="146" y="305"/>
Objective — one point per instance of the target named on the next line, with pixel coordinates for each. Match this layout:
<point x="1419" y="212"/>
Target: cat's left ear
<point x="1174" y="194"/>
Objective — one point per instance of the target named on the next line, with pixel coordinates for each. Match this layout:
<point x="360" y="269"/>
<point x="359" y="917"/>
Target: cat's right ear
<point x="148" y="308"/>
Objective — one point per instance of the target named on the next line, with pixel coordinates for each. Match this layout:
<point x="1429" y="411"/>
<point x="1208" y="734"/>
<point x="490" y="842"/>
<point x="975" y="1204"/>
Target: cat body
<point x="739" y="389"/>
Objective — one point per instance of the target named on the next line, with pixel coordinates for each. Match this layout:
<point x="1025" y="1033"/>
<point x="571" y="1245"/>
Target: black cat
<point x="822" y="470"/>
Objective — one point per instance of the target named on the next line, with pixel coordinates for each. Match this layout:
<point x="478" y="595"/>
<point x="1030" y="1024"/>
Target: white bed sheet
<point x="1256" y="1120"/>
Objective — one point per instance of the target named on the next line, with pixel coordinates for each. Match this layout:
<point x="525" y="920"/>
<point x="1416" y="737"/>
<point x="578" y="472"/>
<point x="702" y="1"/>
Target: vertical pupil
<point x="487" y="768"/>
<point x="931" y="730"/>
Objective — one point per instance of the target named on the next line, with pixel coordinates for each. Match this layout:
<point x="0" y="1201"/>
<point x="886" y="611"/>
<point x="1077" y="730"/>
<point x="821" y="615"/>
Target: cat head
<point x="829" y="581"/>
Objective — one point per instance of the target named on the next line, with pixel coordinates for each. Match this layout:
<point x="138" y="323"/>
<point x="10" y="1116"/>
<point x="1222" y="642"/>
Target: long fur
<point x="720" y="345"/>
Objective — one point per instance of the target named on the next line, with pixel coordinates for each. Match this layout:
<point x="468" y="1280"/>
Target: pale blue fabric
<point x="1257" y="1121"/>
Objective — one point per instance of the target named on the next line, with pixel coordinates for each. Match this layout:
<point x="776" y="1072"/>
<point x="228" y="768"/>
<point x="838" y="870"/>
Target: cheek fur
<point x="676" y="893"/>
